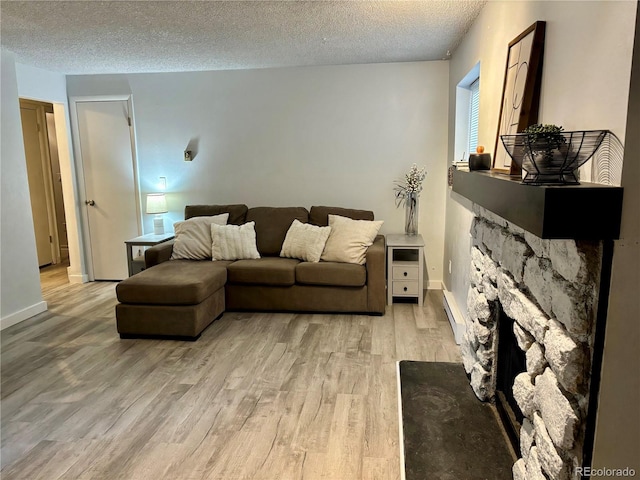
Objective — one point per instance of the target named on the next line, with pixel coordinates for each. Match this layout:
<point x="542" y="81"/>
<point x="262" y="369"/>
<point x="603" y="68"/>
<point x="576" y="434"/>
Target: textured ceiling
<point x="82" y="37"/>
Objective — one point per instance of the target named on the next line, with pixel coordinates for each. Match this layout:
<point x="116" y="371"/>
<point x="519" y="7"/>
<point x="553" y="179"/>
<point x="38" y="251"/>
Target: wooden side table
<point x="136" y="263"/>
<point x="405" y="263"/>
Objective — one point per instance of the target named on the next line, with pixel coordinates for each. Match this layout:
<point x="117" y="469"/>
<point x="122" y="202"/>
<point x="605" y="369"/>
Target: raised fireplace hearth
<point x="539" y="274"/>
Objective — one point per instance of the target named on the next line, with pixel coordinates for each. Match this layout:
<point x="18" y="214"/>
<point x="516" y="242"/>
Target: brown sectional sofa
<point x="180" y="298"/>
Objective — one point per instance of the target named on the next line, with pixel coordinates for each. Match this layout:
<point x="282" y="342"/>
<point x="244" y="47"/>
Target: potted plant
<point x="545" y="138"/>
<point x="407" y="193"/>
<point x="542" y="141"/>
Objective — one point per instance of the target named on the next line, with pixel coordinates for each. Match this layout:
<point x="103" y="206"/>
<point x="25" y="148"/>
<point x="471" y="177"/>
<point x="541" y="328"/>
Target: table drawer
<point x="405" y="273"/>
<point x="405" y="288"/>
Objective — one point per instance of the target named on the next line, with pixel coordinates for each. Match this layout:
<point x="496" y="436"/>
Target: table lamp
<point x="157" y="204"/>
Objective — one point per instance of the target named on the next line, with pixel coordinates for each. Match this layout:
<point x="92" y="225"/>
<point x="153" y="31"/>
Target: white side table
<point x="405" y="263"/>
<point x="136" y="263"/>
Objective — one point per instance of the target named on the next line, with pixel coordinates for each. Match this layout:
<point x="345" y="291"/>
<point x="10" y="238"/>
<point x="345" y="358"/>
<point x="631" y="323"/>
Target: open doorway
<point x="45" y="191"/>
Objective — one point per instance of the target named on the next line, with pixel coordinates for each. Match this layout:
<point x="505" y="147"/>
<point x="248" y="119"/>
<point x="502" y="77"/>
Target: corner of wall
<point x="19" y="275"/>
<point x="21" y="315"/>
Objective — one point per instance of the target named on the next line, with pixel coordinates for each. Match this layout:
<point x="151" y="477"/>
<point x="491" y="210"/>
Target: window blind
<point x="474" y="104"/>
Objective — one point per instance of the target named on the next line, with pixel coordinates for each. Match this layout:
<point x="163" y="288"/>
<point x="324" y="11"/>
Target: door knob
<point x="91" y="203"/>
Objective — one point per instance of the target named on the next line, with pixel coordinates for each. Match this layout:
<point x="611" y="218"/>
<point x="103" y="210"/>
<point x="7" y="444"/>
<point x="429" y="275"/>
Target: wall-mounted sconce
<point x="191" y="149"/>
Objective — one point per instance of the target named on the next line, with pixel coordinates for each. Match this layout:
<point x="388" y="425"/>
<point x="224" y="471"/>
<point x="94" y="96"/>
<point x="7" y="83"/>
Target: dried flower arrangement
<point x="412" y="184"/>
<point x="407" y="192"/>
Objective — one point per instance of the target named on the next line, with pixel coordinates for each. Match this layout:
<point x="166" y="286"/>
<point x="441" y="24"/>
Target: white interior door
<point x="36" y="177"/>
<point x="109" y="179"/>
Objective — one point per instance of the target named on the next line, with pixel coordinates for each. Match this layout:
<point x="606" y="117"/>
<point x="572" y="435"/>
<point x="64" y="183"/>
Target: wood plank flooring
<point x="258" y="396"/>
<point x="54" y="276"/>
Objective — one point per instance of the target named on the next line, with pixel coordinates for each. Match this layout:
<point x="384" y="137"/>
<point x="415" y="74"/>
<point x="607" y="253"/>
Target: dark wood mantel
<point x="589" y="211"/>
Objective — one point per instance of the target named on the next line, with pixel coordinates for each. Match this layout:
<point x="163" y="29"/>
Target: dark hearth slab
<point x="448" y="433"/>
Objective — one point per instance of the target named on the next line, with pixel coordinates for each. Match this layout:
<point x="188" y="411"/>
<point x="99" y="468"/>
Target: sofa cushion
<point x="264" y="271"/>
<point x="176" y="282"/>
<point x="233" y="242"/>
<point x="237" y="213"/>
<point x="193" y="237"/>
<point x="272" y="224"/>
<point x="349" y="239"/>
<point x="305" y="242"/>
<point x="320" y="215"/>
<point x="331" y="273"/>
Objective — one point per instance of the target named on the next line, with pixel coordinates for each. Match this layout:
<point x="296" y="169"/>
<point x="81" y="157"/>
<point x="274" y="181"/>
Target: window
<point x="467" y="115"/>
<point x="474" y="103"/>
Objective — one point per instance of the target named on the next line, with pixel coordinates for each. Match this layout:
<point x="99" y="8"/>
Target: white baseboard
<point x="455" y="317"/>
<point x="434" y="285"/>
<point x="19" y="316"/>
<point x="77" y="277"/>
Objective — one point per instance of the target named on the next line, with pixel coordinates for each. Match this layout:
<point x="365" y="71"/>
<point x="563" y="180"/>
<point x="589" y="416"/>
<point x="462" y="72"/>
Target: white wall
<point x="51" y="87"/>
<point x="585" y="85"/>
<point x="38" y="84"/>
<point x="331" y="135"/>
<point x="20" y="294"/>
<point x="617" y="439"/>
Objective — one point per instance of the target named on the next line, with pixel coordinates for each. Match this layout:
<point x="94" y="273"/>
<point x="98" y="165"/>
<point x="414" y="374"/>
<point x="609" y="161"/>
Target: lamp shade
<point x="156" y="203"/>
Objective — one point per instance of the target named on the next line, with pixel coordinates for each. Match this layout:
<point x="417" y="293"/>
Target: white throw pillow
<point x="349" y="239"/>
<point x="234" y="242"/>
<point x="305" y="242"/>
<point x="193" y="237"/>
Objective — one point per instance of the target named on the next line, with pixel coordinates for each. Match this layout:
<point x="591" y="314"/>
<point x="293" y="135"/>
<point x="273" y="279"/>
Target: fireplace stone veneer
<point x="550" y="289"/>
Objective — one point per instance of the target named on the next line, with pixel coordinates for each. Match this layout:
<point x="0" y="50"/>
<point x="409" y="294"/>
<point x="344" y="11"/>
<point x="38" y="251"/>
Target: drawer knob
<point x="405" y="289"/>
<point x="405" y="274"/>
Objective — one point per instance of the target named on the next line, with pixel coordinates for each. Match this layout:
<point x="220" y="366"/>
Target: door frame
<point x="60" y="220"/>
<point x="79" y="164"/>
<point x="45" y="160"/>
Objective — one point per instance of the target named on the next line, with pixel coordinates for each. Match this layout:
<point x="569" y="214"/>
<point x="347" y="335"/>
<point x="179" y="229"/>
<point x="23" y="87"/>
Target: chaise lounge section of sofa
<point x="180" y="298"/>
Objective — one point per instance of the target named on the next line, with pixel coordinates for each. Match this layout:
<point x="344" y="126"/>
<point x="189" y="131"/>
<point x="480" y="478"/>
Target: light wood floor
<point x="258" y="396"/>
<point x="54" y="276"/>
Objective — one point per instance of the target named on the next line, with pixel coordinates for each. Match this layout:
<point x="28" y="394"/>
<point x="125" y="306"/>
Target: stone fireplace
<point x="511" y="361"/>
<point x="550" y="288"/>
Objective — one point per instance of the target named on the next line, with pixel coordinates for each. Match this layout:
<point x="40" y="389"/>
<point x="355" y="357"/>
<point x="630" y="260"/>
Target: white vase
<point x="411" y="214"/>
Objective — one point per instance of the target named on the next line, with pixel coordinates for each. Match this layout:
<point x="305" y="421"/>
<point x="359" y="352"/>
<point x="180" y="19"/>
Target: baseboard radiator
<point x="453" y="314"/>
